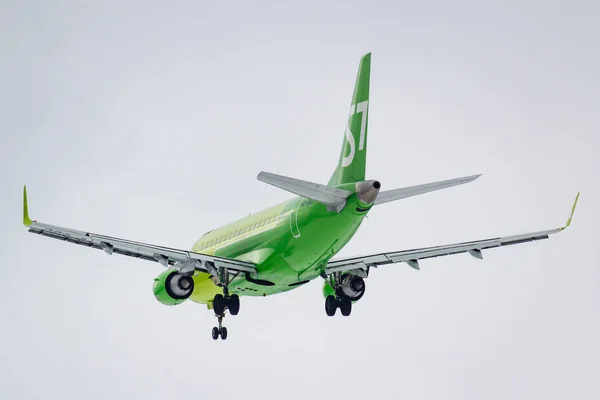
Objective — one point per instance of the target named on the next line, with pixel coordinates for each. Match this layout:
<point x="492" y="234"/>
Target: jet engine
<point x="353" y="286"/>
<point x="172" y="287"/>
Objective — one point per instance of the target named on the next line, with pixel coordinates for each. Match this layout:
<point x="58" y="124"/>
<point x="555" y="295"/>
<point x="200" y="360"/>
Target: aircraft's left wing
<point x="360" y="265"/>
<point x="184" y="260"/>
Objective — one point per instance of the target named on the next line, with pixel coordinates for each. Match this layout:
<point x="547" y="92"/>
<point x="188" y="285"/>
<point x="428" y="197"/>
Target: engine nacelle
<point x="353" y="286"/>
<point x="172" y="288"/>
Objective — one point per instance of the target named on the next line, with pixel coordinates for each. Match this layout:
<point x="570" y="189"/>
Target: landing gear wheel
<point x="215" y="333"/>
<point x="219" y="304"/>
<point x="233" y="303"/>
<point x="345" y="306"/>
<point x="330" y="305"/>
<point x="223" y="333"/>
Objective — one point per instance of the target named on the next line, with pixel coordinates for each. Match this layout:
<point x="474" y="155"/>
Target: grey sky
<point x="150" y="120"/>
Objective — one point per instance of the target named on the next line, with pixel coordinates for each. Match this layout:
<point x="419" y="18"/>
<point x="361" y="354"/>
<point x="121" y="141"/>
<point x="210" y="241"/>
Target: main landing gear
<point x="222" y="302"/>
<point x="341" y="290"/>
<point x="332" y="303"/>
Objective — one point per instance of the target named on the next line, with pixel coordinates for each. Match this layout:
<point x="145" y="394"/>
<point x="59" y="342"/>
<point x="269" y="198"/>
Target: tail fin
<point x="353" y="158"/>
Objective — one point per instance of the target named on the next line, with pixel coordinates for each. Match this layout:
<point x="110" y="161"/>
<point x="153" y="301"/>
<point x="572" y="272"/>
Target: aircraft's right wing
<point x="359" y="265"/>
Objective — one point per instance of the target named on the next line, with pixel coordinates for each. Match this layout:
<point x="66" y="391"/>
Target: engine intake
<point x="172" y="288"/>
<point x="353" y="286"/>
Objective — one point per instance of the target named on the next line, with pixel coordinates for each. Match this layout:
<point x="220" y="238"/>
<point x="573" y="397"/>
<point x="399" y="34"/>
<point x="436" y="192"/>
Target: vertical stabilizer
<point x="353" y="158"/>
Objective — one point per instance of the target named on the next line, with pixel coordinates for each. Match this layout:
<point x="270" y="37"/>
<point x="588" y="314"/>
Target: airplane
<point x="290" y="244"/>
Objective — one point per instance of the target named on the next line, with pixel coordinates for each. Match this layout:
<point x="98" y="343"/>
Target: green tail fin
<point x="353" y="158"/>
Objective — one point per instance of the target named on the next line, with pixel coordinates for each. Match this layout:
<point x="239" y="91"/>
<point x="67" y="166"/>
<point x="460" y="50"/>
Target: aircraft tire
<point x="330" y="305"/>
<point x="219" y="304"/>
<point x="223" y="333"/>
<point x="345" y="306"/>
<point x="215" y="333"/>
<point x="233" y="303"/>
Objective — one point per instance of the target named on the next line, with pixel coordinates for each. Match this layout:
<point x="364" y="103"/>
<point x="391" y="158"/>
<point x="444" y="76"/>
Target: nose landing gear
<point x="220" y="330"/>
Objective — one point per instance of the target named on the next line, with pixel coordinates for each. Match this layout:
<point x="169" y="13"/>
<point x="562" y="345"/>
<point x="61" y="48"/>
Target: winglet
<point x="572" y="212"/>
<point x="26" y="220"/>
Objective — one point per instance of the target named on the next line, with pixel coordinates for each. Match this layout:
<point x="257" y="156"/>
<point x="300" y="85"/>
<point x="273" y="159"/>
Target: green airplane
<point x="292" y="243"/>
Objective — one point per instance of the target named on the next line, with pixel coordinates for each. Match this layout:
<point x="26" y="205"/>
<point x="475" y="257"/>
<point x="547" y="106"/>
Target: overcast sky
<point x="149" y="120"/>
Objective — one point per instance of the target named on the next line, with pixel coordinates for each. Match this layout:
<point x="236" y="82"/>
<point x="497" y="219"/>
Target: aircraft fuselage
<point x="290" y="243"/>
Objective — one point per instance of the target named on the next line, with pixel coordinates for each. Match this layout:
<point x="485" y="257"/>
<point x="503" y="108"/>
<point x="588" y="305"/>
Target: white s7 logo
<point x="355" y="109"/>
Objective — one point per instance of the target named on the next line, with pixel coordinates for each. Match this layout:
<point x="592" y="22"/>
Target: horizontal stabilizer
<point x="331" y="197"/>
<point x="397" y="194"/>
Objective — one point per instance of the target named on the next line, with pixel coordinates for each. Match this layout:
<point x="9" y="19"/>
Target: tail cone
<point x="367" y="191"/>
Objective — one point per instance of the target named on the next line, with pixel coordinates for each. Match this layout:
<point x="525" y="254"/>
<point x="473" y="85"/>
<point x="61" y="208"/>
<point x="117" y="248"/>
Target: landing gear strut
<point x="223" y="302"/>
